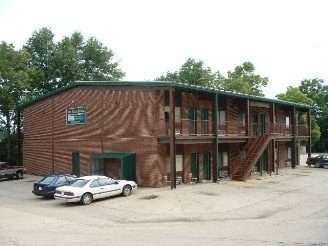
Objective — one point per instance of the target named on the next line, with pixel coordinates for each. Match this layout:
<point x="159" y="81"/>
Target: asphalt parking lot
<point x="290" y="208"/>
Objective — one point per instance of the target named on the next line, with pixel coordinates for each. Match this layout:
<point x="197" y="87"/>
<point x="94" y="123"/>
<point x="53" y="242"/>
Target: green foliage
<point x="71" y="59"/>
<point x="242" y="79"/>
<point x="14" y="83"/>
<point x="293" y="94"/>
<point x="312" y="92"/>
<point x="191" y="72"/>
<point x="318" y="92"/>
<point x="42" y="66"/>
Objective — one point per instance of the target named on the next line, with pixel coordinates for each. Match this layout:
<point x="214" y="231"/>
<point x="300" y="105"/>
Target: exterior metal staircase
<point x="249" y="157"/>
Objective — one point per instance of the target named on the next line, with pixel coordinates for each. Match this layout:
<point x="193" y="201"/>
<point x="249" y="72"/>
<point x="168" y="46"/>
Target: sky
<point x="285" y="40"/>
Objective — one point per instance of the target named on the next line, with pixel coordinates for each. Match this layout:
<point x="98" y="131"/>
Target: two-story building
<point x="156" y="132"/>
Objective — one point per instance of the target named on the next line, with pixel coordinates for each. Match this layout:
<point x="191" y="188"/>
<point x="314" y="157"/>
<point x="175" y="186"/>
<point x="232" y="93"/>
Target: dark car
<point x="47" y="186"/>
<point x="318" y="161"/>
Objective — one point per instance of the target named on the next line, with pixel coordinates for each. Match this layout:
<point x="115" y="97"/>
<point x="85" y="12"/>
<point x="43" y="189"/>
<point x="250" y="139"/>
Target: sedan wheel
<point x="86" y="199"/>
<point x="126" y="190"/>
<point x="19" y="175"/>
<point x="317" y="165"/>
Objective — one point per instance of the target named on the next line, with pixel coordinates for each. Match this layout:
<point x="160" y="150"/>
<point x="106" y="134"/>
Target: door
<point x="255" y="124"/>
<point x="204" y="118"/>
<point x="76" y="163"/>
<point x="262" y="127"/>
<point x="96" y="190"/>
<point x="194" y="166"/>
<point x="109" y="187"/>
<point x="207" y="166"/>
<point x="192" y="114"/>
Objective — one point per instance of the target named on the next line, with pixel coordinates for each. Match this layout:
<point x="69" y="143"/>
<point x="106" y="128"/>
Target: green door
<point x="194" y="165"/>
<point x="129" y="167"/>
<point x="192" y="114"/>
<point x="264" y="161"/>
<point x="207" y="166"/>
<point x="204" y="118"/>
<point x="76" y="163"/>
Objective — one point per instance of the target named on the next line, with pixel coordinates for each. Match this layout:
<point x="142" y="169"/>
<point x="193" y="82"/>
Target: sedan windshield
<point x="79" y="182"/>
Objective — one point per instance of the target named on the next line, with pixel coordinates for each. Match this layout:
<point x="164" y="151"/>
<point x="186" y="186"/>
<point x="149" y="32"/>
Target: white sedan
<point x="88" y="188"/>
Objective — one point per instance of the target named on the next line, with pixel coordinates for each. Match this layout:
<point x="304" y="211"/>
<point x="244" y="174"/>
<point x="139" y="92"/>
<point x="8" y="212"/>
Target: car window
<point x="47" y="180"/>
<point x="94" y="184"/>
<point x="105" y="181"/>
<point x="79" y="182"/>
<point x="61" y="180"/>
<point x="70" y="179"/>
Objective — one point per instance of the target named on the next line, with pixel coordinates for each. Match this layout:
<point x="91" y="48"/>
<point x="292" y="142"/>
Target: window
<point x="223" y="158"/>
<point x="221" y="117"/>
<point x="192" y="114"/>
<point x="289" y="153"/>
<point x="242" y="119"/>
<point x="178" y="162"/>
<point x="94" y="184"/>
<point x="97" y="166"/>
<point x="177" y="114"/>
<point x="61" y="180"/>
<point x="105" y="181"/>
<point x="204" y="117"/>
<point x="287" y="121"/>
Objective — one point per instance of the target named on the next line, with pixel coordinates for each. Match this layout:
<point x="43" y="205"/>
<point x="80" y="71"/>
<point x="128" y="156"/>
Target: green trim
<point x="112" y="155"/>
<point x="160" y="84"/>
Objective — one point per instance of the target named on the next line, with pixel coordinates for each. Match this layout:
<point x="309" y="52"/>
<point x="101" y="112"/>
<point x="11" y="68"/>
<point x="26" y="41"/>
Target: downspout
<point x="273" y="141"/>
<point x="295" y="150"/>
<point x="216" y="142"/>
<point x="172" y="138"/>
<point x="102" y="122"/>
<point x="19" y="140"/>
<point x="309" y="132"/>
<point x="52" y="136"/>
<point x="248" y="121"/>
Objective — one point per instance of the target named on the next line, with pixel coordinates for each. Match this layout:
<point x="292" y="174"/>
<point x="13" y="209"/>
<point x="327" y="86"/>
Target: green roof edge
<point x="175" y="85"/>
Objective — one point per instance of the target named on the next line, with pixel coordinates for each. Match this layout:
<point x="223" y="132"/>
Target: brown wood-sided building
<point x="152" y="132"/>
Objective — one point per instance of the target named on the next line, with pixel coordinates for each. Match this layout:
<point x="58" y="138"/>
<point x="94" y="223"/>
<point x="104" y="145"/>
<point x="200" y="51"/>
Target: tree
<point x="294" y="94"/>
<point x="71" y="59"/>
<point x="244" y="80"/>
<point x="42" y="66"/>
<point x="96" y="62"/>
<point x="41" y="48"/>
<point x="191" y="72"/>
<point x="14" y="82"/>
<point x="318" y="92"/>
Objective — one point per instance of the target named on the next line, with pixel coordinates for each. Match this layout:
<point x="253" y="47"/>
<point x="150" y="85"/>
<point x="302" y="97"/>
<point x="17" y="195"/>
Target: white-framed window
<point x="242" y="119"/>
<point x="223" y="158"/>
<point x="287" y="122"/>
<point x="178" y="163"/>
<point x="289" y="153"/>
<point x="221" y="115"/>
<point x="97" y="166"/>
<point x="177" y="113"/>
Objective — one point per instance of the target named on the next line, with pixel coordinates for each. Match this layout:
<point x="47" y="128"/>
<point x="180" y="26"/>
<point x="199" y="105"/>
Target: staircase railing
<point x="247" y="161"/>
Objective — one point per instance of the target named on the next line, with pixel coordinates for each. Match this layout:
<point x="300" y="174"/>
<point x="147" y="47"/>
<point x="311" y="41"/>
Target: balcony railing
<point x="234" y="128"/>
